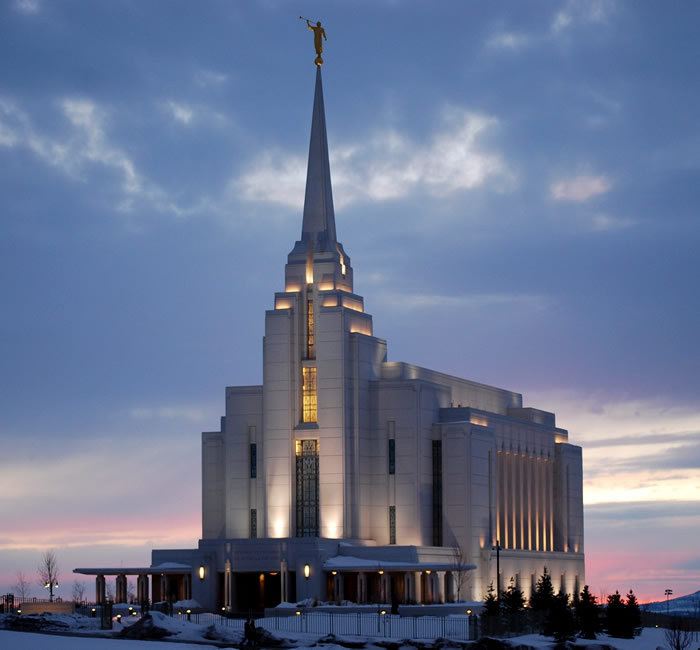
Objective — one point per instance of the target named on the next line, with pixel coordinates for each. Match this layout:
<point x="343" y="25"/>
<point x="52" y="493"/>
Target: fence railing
<point x="463" y="628"/>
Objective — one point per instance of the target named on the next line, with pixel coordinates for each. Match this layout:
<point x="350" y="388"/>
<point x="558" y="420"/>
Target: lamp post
<point x="51" y="585"/>
<point x="497" y="548"/>
<point x="668" y="592"/>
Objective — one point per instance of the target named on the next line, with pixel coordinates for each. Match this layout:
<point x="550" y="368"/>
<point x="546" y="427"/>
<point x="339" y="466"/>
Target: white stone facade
<point x="349" y="463"/>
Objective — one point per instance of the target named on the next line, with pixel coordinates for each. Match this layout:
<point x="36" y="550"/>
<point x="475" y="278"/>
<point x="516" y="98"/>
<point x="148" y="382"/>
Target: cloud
<point x="633" y="450"/>
<point x="189" y="413"/>
<point x="27" y="6"/>
<point x="625" y="511"/>
<point x="580" y="188"/>
<point x="575" y="12"/>
<point x="206" y="78"/>
<point x="386" y="166"/>
<point x="604" y="222"/>
<point x="180" y="112"/>
<point x="508" y="41"/>
<point x="411" y="301"/>
<point x="189" y="115"/>
<point x="84" y="147"/>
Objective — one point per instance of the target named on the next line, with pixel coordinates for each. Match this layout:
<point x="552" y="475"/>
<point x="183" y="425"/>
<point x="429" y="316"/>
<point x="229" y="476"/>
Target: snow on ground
<point x="184" y="632"/>
<point x="30" y="641"/>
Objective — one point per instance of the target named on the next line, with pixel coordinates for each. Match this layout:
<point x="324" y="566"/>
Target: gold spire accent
<point x="319" y="37"/>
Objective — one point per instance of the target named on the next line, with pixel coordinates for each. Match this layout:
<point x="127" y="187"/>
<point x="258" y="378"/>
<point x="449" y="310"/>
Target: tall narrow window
<point x="253" y="523"/>
<point x="253" y="460"/>
<point x="392" y="456"/>
<point x="437" y="492"/>
<point x="308" y="391"/>
<point x="307" y="498"/>
<point x="392" y="524"/>
<point x="309" y="328"/>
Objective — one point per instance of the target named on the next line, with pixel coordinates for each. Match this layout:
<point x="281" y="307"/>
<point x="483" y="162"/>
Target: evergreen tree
<point x="541" y="601"/>
<point x="560" y="621"/>
<point x="513" y="599"/>
<point x="615" y="616"/>
<point x="633" y="617"/>
<point x="587" y="614"/>
<point x="543" y="597"/>
<point x="491" y="605"/>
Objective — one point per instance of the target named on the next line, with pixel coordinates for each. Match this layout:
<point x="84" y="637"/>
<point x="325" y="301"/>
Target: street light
<point x="668" y="592"/>
<point x="51" y="586"/>
<point x="497" y="548"/>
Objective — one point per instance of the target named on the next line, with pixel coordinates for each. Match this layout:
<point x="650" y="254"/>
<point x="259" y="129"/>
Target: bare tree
<point x="21" y="587"/>
<point x="679" y="634"/>
<point x="460" y="567"/>
<point x="48" y="572"/>
<point x="78" y="591"/>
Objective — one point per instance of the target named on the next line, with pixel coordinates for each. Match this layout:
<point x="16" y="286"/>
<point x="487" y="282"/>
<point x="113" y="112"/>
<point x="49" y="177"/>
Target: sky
<point x="517" y="184"/>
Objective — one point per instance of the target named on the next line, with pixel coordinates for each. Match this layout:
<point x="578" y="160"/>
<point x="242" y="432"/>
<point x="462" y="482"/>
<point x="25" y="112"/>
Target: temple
<point x="348" y="477"/>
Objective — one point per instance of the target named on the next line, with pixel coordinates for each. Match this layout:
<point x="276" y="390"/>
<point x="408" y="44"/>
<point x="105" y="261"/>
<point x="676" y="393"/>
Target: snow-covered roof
<point x="165" y="567"/>
<point x="350" y="563"/>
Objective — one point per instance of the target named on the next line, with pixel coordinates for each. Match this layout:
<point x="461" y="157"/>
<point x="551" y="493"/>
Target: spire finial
<point x="319" y="37"/>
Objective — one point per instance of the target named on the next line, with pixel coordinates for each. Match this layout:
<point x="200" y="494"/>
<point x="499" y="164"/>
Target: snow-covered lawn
<point x="30" y="641"/>
<point x="183" y="632"/>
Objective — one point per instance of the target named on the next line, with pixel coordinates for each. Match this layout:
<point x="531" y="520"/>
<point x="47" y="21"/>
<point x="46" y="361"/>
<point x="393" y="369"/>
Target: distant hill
<point x="682" y="606"/>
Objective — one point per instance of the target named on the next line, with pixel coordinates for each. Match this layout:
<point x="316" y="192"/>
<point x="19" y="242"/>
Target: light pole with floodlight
<point x="51" y="586"/>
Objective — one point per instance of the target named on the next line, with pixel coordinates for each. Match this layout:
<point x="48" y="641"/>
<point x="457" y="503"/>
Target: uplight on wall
<point x="201" y="572"/>
<point x="307" y="570"/>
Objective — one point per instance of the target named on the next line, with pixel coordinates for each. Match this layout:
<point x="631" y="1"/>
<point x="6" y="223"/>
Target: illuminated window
<point x="253" y="460"/>
<point x="310" y="329"/>
<point x="392" y="456"/>
<point x="307" y="488"/>
<point x="392" y="524"/>
<point x="308" y="391"/>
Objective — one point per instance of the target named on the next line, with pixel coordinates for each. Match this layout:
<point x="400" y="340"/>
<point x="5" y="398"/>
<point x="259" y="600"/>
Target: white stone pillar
<point x="121" y="588"/>
<point x="284" y="587"/>
<point x="142" y="588"/>
<point x="418" y="586"/>
<point x="338" y="587"/>
<point x="361" y="587"/>
<point x="100" y="589"/>
<point x="440" y="577"/>
<point x="227" y="586"/>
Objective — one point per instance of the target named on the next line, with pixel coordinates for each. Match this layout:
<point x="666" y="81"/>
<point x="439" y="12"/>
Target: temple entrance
<point x="256" y="591"/>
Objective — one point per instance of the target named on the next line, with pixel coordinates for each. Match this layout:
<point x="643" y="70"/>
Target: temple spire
<point x="319" y="217"/>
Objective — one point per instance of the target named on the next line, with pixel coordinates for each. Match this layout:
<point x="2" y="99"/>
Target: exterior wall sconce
<point x="381" y="573"/>
<point x="201" y="572"/>
<point x="307" y="571"/>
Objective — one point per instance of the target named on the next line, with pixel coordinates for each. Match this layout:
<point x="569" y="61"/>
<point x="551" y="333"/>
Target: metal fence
<point x="463" y="628"/>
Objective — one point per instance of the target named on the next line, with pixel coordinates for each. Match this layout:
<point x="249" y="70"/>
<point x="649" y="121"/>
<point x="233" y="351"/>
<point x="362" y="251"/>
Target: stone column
<point x="440" y="584"/>
<point x="164" y="595"/>
<point x="338" y="587"/>
<point x="142" y="588"/>
<point x="450" y="592"/>
<point x="100" y="589"/>
<point x="408" y="587"/>
<point x="361" y="587"/>
<point x="121" y="588"/>
<point x="418" y="586"/>
<point x="227" y="586"/>
<point x="384" y="588"/>
<point x="284" y="585"/>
